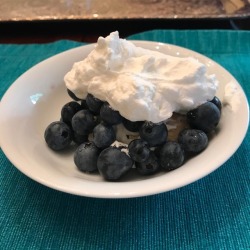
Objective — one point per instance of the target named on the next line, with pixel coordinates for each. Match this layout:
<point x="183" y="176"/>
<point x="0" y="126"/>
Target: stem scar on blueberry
<point x="148" y="130"/>
<point x="149" y="166"/>
<point x="65" y="134"/>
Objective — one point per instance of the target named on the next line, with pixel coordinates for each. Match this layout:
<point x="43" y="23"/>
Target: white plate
<point x="35" y="99"/>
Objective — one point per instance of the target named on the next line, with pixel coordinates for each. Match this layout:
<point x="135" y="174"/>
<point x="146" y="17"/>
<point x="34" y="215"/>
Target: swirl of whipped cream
<point x="141" y="84"/>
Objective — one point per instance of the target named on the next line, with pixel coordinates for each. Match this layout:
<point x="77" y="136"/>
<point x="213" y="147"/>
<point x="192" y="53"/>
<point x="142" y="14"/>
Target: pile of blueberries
<point x="149" y="153"/>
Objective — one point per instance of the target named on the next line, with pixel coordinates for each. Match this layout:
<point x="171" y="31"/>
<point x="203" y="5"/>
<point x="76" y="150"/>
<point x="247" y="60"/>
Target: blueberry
<point x="109" y="115"/>
<point x="84" y="104"/>
<point x="103" y="135"/>
<point x="86" y="156"/>
<point x="58" y="135"/>
<point x="69" y="110"/>
<point x="112" y="163"/>
<point x="206" y="117"/>
<point x="150" y="166"/>
<point x="171" y="156"/>
<point x="83" y="122"/>
<point x="193" y="140"/>
<point x="79" y="139"/>
<point x="217" y="102"/>
<point x="94" y="104"/>
<point x="132" y="126"/>
<point x="72" y="95"/>
<point x="154" y="134"/>
<point x="139" y="150"/>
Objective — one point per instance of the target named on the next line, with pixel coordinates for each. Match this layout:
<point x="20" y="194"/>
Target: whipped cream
<point x="232" y="96"/>
<point x="141" y="84"/>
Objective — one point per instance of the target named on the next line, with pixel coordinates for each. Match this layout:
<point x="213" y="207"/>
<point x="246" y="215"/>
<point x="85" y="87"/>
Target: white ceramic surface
<point x="35" y="99"/>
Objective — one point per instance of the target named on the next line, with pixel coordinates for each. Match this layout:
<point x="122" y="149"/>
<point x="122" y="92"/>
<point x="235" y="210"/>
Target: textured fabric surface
<point x="212" y="213"/>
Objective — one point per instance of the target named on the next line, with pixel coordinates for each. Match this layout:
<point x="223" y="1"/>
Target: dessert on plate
<point x="135" y="108"/>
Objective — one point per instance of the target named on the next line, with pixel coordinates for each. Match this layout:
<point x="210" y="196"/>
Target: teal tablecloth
<point x="212" y="213"/>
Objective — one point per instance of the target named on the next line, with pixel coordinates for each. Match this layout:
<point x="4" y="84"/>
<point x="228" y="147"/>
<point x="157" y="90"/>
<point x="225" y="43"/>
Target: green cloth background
<point x="212" y="213"/>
